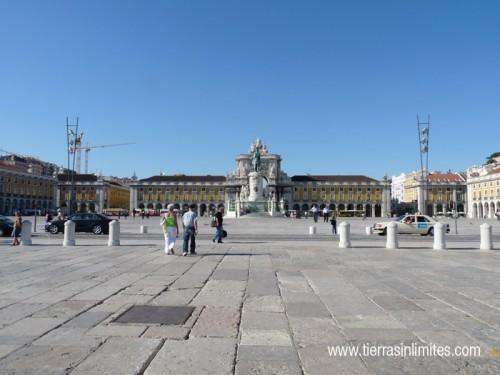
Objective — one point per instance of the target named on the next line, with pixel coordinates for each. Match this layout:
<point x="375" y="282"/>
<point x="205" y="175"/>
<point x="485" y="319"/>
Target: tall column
<point x="133" y="197"/>
<point x="373" y="209"/>
<point x="386" y="201"/>
<point x="57" y="196"/>
<point x="470" y="201"/>
<point x="100" y="192"/>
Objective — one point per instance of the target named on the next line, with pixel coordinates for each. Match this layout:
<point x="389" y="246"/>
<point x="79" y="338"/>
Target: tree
<point x="491" y="159"/>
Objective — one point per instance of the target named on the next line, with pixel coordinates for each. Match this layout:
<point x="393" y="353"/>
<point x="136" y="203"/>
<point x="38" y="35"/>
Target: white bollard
<point x="486" y="241"/>
<point x="368" y="230"/>
<point x="114" y="233"/>
<point x="344" y="235"/>
<point x="392" y="236"/>
<point x="26" y="233"/>
<point x="69" y="233"/>
<point x="144" y="229"/>
<point x="312" y="229"/>
<point x="439" y="237"/>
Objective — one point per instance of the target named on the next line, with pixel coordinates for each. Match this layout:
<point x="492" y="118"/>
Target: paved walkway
<point x="260" y="308"/>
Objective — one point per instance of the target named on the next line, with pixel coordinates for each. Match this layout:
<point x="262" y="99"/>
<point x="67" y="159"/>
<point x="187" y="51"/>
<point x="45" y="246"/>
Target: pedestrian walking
<point x="315" y="213"/>
<point x="170" y="229"/>
<point x="147" y="215"/>
<point x="133" y="214"/>
<point x="190" y="224"/>
<point x="119" y="215"/>
<point x="142" y="214"/>
<point x="17" y="229"/>
<point x="325" y="215"/>
<point x="218" y="226"/>
<point x="333" y="221"/>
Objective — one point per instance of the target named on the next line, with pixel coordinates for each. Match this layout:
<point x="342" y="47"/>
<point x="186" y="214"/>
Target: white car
<point x="410" y="224"/>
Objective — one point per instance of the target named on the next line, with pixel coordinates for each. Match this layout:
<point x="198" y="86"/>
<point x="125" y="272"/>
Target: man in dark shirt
<point x="218" y="226"/>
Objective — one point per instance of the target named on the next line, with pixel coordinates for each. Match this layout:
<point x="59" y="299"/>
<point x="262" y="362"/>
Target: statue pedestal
<point x="256" y="187"/>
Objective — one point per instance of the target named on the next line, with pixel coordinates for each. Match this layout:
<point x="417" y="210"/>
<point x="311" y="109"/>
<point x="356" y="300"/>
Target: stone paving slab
<point x="253" y="367"/>
<point x="17" y="311"/>
<point x="7" y="349"/>
<point x="68" y="337"/>
<point x="167" y="332"/>
<point x="31" y="327"/>
<point x="43" y="359"/>
<point x="64" y="309"/>
<point x="263" y="304"/>
<point x="104" y="330"/>
<point x="316" y="361"/>
<point x="220" y="293"/>
<point x="119" y="356"/>
<point x="267" y="337"/>
<point x="88" y="319"/>
<point x="217" y="322"/>
<point x="263" y="320"/>
<point x="174" y="297"/>
<point x="195" y="356"/>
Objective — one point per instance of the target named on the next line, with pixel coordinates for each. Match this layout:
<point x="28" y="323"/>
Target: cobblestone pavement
<point x="261" y="306"/>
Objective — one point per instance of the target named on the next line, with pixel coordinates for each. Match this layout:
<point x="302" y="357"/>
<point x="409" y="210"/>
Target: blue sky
<point x="334" y="87"/>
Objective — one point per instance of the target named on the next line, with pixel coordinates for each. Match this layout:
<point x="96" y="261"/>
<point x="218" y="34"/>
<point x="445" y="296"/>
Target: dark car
<point x="6" y="226"/>
<point x="84" y="222"/>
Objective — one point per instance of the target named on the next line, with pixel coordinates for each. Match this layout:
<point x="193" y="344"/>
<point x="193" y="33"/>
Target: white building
<point x="398" y="188"/>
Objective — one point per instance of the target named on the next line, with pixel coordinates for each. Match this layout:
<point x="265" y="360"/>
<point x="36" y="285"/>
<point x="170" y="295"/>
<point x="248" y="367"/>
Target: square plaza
<point x="271" y="300"/>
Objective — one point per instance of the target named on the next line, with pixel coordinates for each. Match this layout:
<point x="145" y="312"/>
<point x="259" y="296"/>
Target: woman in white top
<point x="170" y="229"/>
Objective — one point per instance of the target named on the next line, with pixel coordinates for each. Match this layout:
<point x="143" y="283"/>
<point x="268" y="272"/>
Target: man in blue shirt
<point x="190" y="224"/>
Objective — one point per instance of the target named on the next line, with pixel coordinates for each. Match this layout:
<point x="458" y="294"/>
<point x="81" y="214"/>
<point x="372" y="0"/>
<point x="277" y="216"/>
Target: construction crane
<point x="87" y="149"/>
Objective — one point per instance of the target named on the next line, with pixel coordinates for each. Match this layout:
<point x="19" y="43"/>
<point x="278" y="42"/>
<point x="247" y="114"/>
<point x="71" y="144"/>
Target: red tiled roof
<point x="333" y="178"/>
<point x="77" y="177"/>
<point x="446" y="177"/>
<point x="184" y="178"/>
<point x="6" y="166"/>
<point x="493" y="171"/>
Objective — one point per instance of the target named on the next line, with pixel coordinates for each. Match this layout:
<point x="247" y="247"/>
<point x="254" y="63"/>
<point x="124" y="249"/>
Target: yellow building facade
<point x="352" y="194"/>
<point x="91" y="193"/>
<point x="21" y="190"/>
<point x="156" y="192"/>
<point x="483" y="185"/>
<point x="445" y="193"/>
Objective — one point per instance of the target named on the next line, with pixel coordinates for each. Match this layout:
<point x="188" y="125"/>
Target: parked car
<point x="84" y="222"/>
<point x="410" y="224"/>
<point x="6" y="226"/>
